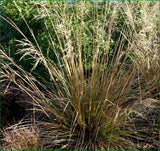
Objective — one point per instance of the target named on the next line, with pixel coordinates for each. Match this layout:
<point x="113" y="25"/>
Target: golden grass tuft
<point x="95" y="84"/>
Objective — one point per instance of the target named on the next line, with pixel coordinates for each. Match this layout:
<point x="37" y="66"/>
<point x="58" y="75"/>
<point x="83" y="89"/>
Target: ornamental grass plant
<point x="99" y="88"/>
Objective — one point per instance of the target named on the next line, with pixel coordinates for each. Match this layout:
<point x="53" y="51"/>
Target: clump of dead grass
<point x="16" y="137"/>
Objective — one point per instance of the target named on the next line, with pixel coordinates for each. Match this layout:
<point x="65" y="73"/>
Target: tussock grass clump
<point x="104" y="56"/>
